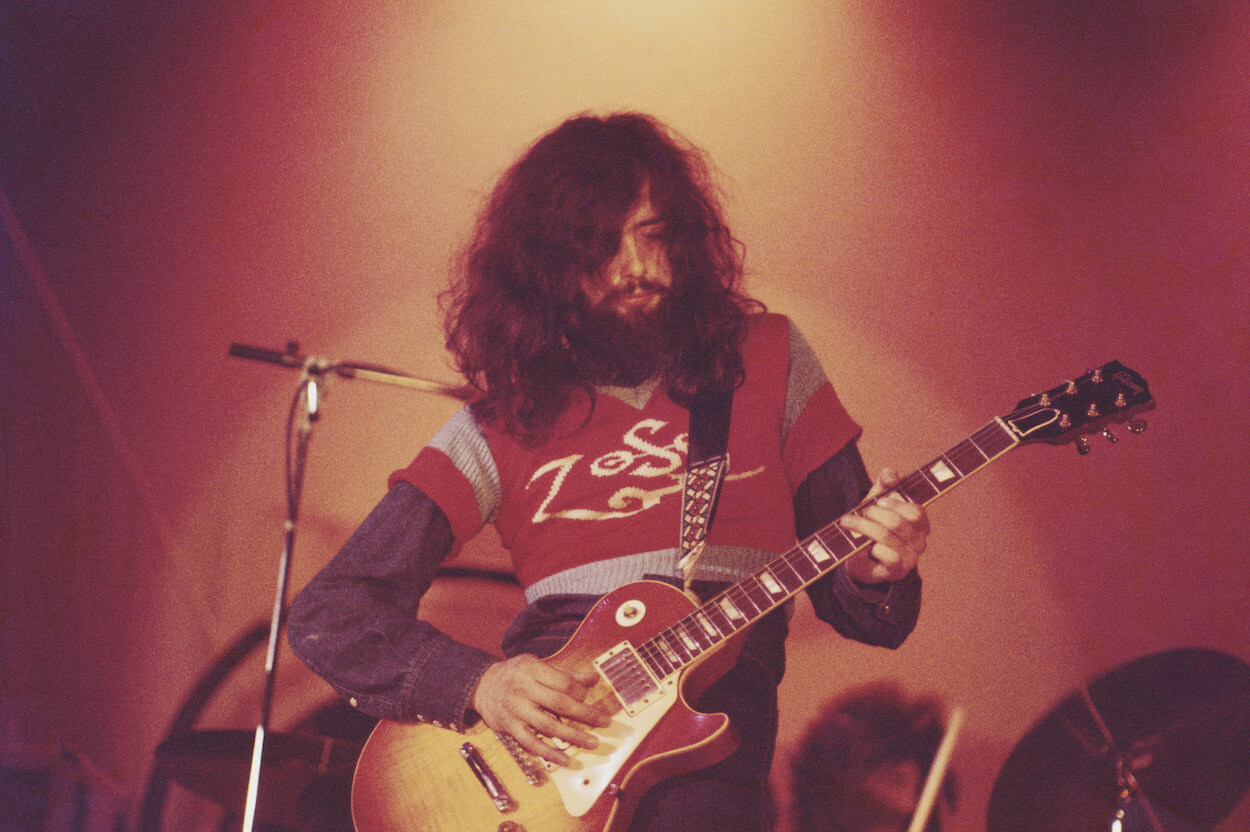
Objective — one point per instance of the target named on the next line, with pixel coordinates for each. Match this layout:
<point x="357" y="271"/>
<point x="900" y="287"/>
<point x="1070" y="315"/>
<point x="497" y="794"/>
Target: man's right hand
<point x="523" y="696"/>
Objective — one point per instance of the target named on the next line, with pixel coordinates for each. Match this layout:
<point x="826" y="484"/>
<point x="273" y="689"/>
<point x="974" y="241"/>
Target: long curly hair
<point x="554" y="219"/>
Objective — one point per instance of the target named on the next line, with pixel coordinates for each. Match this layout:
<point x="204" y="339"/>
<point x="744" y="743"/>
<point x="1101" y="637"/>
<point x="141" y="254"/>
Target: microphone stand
<point x="305" y="410"/>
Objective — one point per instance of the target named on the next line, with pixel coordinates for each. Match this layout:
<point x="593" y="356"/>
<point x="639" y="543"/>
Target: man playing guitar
<point x="597" y="302"/>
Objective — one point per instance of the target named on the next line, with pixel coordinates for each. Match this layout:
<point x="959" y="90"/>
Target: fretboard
<point x="758" y="594"/>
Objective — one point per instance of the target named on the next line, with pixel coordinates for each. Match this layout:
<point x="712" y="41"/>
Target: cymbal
<point x="1164" y="739"/>
<point x="215" y="765"/>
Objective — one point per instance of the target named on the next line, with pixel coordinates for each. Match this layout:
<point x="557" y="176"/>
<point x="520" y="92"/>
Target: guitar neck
<point x="761" y="592"/>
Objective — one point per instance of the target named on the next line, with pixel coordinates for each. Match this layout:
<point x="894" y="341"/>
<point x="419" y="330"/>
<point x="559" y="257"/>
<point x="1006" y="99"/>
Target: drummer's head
<point x="863" y="762"/>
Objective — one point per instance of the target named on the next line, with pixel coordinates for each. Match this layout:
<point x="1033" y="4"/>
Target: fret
<point x="755" y="592"/>
<point x="817" y="551"/>
<point x="719" y="619"/>
<point x="917" y="489"/>
<point x="691" y="628"/>
<point x="692" y="646"/>
<point x="967" y="457"/>
<point x="929" y="479"/>
<point x="993" y="439"/>
<point x="730" y="609"/>
<point x="770" y="582"/>
<point x="843" y="544"/>
<point x="647" y="652"/>
<point x="802" y="564"/>
<point x="789" y="577"/>
<point x="675" y="643"/>
<point x="667" y="650"/>
<point x="952" y="459"/>
<point x="709" y="628"/>
<point x="655" y="659"/>
<point x="742" y="600"/>
<point x="905" y="487"/>
<point x="707" y="636"/>
<point x="942" y="474"/>
<point x="840" y="546"/>
<point x="852" y="537"/>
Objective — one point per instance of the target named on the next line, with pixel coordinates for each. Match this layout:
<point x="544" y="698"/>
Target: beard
<point x="620" y="346"/>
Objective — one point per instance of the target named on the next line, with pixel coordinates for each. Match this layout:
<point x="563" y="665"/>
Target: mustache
<point x="641" y="287"/>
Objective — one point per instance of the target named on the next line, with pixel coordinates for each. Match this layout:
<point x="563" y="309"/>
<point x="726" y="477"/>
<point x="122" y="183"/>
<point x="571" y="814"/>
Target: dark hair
<point x="555" y="218"/>
<point x="854" y="736"/>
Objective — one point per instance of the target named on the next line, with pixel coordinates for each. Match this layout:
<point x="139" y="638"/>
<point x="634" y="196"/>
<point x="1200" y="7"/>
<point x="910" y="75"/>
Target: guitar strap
<point x="707" y="463"/>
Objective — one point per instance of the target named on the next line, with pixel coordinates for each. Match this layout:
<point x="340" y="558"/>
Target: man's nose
<point x="633" y="266"/>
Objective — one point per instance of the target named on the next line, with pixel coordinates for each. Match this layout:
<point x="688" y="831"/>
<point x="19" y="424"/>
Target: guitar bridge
<point x="533" y="774"/>
<point x="495" y="790"/>
<point x="630" y="678"/>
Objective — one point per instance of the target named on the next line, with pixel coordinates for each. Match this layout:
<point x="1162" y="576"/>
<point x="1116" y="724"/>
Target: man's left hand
<point x="899" y="529"/>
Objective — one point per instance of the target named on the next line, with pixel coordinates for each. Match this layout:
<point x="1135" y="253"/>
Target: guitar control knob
<point x="1137" y="425"/>
<point x="1109" y="436"/>
<point x="1082" y="445"/>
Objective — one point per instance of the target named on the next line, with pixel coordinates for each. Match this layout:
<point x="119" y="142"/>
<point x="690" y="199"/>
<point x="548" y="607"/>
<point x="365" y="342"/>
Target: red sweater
<point x="611" y="489"/>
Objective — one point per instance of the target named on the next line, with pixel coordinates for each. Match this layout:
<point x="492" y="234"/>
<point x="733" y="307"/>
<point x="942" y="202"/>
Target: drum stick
<point x="937" y="772"/>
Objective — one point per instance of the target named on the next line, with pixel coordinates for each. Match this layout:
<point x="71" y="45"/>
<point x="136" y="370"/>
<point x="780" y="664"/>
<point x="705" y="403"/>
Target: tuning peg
<point x="1082" y="445"/>
<point x="1097" y="376"/>
<point x="1109" y="436"/>
<point x="1137" y="425"/>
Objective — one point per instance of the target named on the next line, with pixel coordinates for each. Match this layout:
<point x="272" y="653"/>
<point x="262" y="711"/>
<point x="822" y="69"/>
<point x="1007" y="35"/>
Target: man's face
<point x="639" y="276"/>
<point x="620" y="335"/>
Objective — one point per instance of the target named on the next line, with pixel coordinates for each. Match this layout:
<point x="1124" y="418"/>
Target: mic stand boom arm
<point x="349" y="369"/>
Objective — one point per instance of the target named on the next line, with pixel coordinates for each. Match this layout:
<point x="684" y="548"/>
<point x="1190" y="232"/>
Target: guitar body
<point x="415" y="777"/>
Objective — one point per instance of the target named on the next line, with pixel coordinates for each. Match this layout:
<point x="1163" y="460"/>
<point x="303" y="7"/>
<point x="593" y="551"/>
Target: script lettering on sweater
<point x="652" y="468"/>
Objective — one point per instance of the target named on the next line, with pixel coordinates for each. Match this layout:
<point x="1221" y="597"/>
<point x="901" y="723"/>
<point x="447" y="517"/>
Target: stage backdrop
<point x="959" y="203"/>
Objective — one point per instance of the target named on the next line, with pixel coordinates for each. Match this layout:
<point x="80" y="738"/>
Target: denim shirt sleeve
<point x="355" y="624"/>
<point x="882" y="615"/>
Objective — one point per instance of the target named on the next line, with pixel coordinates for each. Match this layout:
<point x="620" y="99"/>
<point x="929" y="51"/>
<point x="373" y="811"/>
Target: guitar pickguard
<point x="581" y="784"/>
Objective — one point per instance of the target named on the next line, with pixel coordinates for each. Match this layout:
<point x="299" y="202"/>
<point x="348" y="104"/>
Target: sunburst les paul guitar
<point x="653" y="649"/>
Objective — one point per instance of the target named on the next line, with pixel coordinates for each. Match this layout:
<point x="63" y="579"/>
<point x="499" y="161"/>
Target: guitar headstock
<point x="1070" y="411"/>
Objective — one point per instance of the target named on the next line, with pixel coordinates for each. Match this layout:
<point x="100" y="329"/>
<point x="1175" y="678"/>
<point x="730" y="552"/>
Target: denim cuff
<point x="883" y="615"/>
<point x="441" y="687"/>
